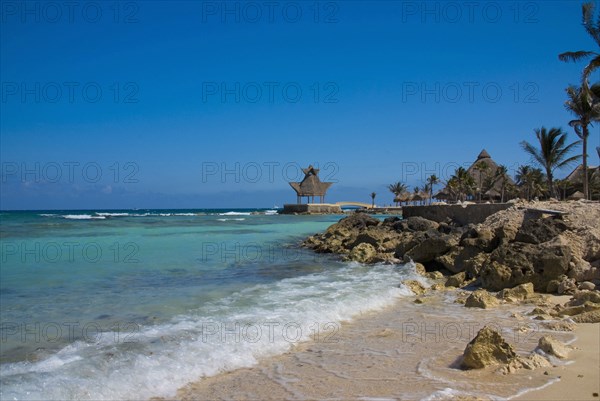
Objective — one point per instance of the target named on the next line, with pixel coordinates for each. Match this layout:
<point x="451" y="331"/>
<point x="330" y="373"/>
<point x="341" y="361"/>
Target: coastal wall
<point x="469" y="214"/>
<point x="311" y="208"/>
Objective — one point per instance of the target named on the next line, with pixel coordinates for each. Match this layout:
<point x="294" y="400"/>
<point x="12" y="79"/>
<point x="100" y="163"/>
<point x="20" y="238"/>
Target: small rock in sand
<point x="552" y="346"/>
<point x="416" y="287"/>
<point x="481" y="299"/>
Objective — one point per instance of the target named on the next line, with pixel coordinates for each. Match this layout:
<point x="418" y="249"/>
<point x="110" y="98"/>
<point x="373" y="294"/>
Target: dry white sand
<point x="579" y="380"/>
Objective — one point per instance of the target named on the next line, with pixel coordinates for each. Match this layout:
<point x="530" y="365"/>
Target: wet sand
<point x="408" y="351"/>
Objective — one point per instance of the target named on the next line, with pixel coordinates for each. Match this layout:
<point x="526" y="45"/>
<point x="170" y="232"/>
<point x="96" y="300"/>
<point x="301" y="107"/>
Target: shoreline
<point x="408" y="351"/>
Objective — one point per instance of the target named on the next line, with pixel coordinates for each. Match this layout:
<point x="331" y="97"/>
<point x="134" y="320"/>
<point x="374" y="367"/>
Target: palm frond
<point x="568" y="161"/>
<point x="575" y="56"/>
<point x="587" y="11"/>
<point x="533" y="152"/>
<point x="591" y="67"/>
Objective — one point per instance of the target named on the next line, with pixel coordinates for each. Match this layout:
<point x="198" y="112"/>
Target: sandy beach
<point x="410" y="351"/>
<point x="581" y="379"/>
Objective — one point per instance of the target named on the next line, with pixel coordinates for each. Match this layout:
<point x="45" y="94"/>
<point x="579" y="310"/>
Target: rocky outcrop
<point x="510" y="248"/>
<point x="518" y="262"/>
<point x="488" y="348"/>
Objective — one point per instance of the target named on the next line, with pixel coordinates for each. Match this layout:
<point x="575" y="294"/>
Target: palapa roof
<point x="576" y="176"/>
<point x="484" y="155"/>
<point x="475" y="172"/>
<point x="485" y="159"/>
<point x="478" y="176"/>
<point x="311" y="185"/>
<point x="576" y="196"/>
<point x="442" y="194"/>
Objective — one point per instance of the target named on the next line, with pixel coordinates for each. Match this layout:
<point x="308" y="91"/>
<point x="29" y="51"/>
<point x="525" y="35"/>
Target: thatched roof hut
<point x="576" y="176"/>
<point x="443" y="194"/>
<point x="574" y="181"/>
<point x="482" y="170"/>
<point x="576" y="196"/>
<point x="311" y="185"/>
<point x="403" y="197"/>
<point x="485" y="169"/>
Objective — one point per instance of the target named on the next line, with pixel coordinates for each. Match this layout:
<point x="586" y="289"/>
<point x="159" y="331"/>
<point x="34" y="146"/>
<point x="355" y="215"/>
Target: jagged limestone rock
<point x="486" y="349"/>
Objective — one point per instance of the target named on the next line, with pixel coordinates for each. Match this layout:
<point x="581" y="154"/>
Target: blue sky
<point x="156" y="104"/>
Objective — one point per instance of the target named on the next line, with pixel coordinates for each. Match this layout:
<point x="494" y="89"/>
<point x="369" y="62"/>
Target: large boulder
<point x="486" y="349"/>
<point x="406" y="241"/>
<point x="459" y="259"/>
<point x="430" y="248"/>
<point x="357" y="221"/>
<point x="457" y="280"/>
<point x="341" y="237"/>
<point x="448" y="259"/>
<point x="582" y="270"/>
<point x="474" y="265"/>
<point x="537" y="231"/>
<point x="506" y="233"/>
<point x="479" y="237"/>
<point x="382" y="239"/>
<point x="517" y="263"/>
<point x="363" y="253"/>
<point x="416" y="223"/>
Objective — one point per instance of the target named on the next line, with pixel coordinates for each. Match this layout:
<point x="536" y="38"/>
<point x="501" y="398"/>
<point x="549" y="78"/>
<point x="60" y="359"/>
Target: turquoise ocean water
<point x="136" y="303"/>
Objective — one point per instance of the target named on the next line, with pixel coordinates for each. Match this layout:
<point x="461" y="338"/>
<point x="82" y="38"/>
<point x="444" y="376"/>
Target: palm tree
<point x="581" y="105"/>
<point x="593" y="29"/>
<point x="373" y="194"/>
<point x="431" y="181"/>
<point x="482" y="168"/>
<point x="502" y="176"/>
<point x="552" y="153"/>
<point x="462" y="183"/>
<point x="397" y="188"/>
<point x="563" y="186"/>
<point x="531" y="181"/>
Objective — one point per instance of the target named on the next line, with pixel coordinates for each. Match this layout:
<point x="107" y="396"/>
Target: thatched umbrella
<point x="442" y="195"/>
<point x="403" y="197"/>
<point x="493" y="193"/>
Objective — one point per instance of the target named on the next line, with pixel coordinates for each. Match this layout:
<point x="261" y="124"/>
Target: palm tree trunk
<point x="550" y="182"/>
<point x="585" y="169"/>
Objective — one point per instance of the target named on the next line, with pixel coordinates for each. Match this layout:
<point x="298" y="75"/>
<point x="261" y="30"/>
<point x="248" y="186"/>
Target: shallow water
<point x="134" y="304"/>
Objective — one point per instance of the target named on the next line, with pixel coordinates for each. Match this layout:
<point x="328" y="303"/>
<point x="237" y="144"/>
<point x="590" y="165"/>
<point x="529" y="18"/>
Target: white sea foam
<point x="235" y="214"/>
<point x="112" y="214"/>
<point x="233" y="332"/>
<point x="83" y="217"/>
<point x="238" y="219"/>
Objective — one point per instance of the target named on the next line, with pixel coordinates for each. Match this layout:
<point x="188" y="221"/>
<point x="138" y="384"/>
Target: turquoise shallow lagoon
<point x="130" y="304"/>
